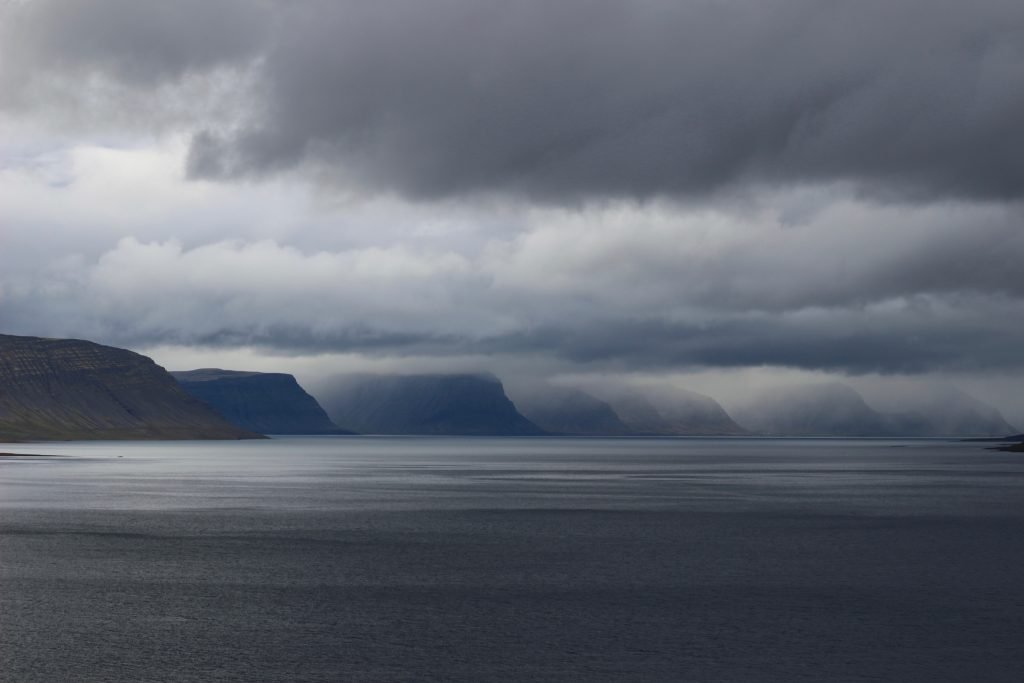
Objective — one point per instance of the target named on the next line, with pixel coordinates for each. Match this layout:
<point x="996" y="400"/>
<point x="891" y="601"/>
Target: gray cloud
<point x="119" y="70"/>
<point x="140" y="44"/>
<point x="586" y="98"/>
<point x="574" y="99"/>
<point x="506" y="302"/>
<point x="900" y="342"/>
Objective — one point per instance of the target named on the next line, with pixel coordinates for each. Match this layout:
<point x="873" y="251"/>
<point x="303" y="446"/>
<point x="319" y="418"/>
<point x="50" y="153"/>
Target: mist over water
<point x="351" y="558"/>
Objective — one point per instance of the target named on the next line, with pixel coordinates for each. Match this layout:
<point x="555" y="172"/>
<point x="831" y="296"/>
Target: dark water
<point x="513" y="559"/>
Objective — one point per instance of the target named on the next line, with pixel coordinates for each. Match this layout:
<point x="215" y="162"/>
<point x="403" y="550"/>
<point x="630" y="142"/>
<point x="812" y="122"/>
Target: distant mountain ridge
<point x="626" y="412"/>
<point x="457" y="404"/>
<point x="675" y="412"/>
<point x="948" y="411"/>
<point x="269" y="403"/>
<point x="69" y="389"/>
<point x="836" y="409"/>
<point x="572" y="412"/>
<point x="828" y="409"/>
<point x="62" y="389"/>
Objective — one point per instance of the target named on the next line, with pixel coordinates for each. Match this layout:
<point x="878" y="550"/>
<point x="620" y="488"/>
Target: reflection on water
<point x="337" y="558"/>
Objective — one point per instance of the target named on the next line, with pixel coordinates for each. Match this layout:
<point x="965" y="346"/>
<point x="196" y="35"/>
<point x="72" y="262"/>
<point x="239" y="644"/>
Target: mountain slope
<point x="830" y="409"/>
<point x="948" y="411"/>
<point x="59" y="389"/>
<point x="269" y="403"/>
<point x="423" y="404"/>
<point x="835" y="409"/>
<point x="560" y="410"/>
<point x="673" y="413"/>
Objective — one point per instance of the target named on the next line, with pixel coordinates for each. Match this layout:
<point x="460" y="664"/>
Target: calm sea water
<point x="326" y="559"/>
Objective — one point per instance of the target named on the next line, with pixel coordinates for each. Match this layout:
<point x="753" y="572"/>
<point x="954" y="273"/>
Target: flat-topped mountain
<point x="424" y="404"/>
<point x="265" y="402"/>
<point x="559" y="410"/>
<point x="65" y="389"/>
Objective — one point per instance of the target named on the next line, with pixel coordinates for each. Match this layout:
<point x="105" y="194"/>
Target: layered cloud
<point x="812" y="280"/>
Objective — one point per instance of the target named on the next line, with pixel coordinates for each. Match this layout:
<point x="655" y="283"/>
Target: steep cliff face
<point x="673" y="413"/>
<point x="59" y="389"/>
<point x="948" y="411"/>
<point x="424" y="404"/>
<point x="570" y="411"/>
<point x="835" y="409"/>
<point x="828" y="409"/>
<point x="269" y="403"/>
<point x="624" y="411"/>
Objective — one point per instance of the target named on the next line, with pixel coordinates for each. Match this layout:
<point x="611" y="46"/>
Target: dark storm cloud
<point x="577" y="98"/>
<point x="904" y="343"/>
<point x="582" y="98"/>
<point x="971" y="259"/>
<point x="299" y="340"/>
<point x="70" y="51"/>
<point x="962" y="333"/>
<point x="977" y="254"/>
<point x="137" y="41"/>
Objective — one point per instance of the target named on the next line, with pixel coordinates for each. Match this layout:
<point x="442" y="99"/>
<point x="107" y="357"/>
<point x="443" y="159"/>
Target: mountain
<point x="673" y="412"/>
<point x="265" y="402"/>
<point x="948" y="411"/>
<point x="424" y="404"/>
<point x="559" y="410"/>
<point x="63" y="389"/>
<point x="690" y="413"/>
<point x="835" y="409"/>
<point x="830" y="409"/>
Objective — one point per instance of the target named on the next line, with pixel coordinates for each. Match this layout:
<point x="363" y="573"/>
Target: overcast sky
<point x="721" y="189"/>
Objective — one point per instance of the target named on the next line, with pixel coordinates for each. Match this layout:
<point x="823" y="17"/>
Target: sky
<point x="725" y="193"/>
